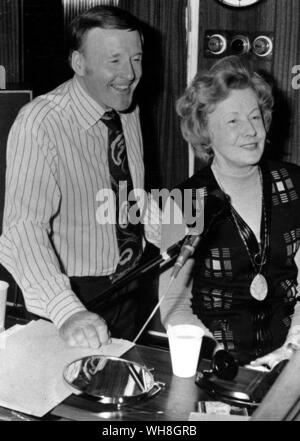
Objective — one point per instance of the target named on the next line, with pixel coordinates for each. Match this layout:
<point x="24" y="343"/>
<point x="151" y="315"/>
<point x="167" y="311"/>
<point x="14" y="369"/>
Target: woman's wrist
<point x="292" y="341"/>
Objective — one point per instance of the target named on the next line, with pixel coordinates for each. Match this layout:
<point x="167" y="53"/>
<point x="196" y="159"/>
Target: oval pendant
<point x="259" y="287"/>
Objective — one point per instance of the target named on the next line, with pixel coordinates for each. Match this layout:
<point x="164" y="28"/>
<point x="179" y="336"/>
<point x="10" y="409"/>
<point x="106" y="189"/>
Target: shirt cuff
<point x="63" y="306"/>
<point x="152" y="222"/>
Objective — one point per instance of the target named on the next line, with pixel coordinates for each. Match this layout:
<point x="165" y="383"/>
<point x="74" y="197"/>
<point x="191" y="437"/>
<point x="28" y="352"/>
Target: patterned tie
<point x="129" y="235"/>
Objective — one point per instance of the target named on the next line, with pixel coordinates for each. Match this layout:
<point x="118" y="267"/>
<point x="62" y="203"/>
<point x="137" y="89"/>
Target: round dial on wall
<point x="238" y="3"/>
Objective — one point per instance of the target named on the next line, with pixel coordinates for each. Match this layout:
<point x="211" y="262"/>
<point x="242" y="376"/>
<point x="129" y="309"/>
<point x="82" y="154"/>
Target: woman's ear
<point x="78" y="63"/>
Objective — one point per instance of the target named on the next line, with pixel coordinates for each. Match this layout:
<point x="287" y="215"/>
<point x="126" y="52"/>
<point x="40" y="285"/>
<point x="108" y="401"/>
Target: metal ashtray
<point x="111" y="380"/>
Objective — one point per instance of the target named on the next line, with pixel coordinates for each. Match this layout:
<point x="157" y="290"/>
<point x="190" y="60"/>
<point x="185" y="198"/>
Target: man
<point x="58" y="160"/>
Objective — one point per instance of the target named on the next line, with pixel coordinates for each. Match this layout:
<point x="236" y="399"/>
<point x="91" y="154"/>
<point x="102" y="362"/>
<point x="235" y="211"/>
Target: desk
<point x="179" y="397"/>
<point x="174" y="402"/>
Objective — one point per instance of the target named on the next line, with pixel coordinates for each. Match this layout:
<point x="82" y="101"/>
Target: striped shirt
<point x="56" y="165"/>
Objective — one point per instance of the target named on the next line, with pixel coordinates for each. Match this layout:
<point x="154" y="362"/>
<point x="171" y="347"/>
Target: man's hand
<point x="86" y="330"/>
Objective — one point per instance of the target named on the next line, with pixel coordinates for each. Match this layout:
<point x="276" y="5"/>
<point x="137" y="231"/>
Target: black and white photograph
<point x="149" y="214"/>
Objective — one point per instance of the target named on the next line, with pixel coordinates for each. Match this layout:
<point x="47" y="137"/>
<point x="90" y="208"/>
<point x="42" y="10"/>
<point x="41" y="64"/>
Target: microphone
<point x="188" y="247"/>
<point x="216" y="204"/>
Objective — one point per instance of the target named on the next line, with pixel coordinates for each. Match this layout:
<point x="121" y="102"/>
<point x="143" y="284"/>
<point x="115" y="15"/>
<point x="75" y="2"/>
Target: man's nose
<point x="128" y="71"/>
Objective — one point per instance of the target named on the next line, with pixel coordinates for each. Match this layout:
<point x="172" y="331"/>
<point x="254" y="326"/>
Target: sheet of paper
<point x="197" y="416"/>
<point x="4" y="335"/>
<point x="32" y="359"/>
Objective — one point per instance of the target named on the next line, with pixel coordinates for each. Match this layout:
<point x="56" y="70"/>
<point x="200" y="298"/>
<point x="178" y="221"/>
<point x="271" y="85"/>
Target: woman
<point x="241" y="284"/>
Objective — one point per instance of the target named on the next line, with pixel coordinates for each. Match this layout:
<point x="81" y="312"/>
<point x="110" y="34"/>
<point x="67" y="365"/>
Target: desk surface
<point x="174" y="402"/>
<point x="177" y="399"/>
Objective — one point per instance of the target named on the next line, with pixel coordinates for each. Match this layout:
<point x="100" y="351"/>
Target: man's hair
<point x="211" y="87"/>
<point x="104" y="17"/>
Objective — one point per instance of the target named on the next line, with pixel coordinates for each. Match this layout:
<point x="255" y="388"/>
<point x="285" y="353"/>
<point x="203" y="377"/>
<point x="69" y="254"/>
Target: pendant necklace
<point x="257" y="252"/>
<point x="259" y="285"/>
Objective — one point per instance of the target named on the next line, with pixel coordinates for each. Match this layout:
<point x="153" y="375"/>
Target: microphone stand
<point x="215" y="206"/>
<point x="160" y="261"/>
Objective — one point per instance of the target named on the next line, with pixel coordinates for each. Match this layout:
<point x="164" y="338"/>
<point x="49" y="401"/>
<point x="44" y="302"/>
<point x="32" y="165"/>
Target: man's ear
<point x="78" y="63"/>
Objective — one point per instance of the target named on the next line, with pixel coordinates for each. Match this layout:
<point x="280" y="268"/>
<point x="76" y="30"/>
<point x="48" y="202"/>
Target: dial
<point x="216" y="44"/>
<point x="240" y="44"/>
<point x="238" y="3"/>
<point x="262" y="46"/>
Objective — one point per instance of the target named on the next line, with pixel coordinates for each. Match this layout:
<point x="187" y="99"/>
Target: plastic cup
<point x="3" y="297"/>
<point x="185" y="344"/>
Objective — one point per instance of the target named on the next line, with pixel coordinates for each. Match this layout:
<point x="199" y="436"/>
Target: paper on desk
<point x="31" y="366"/>
<point x="197" y="416"/>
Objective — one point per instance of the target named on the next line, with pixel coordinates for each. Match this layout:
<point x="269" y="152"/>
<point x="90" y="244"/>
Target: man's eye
<point x="256" y="117"/>
<point x="232" y="121"/>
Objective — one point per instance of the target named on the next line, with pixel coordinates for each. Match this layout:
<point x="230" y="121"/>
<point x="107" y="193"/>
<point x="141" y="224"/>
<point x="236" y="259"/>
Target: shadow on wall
<point x="148" y="96"/>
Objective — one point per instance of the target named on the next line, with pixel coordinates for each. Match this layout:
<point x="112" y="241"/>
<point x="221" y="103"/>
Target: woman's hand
<point x="285" y="352"/>
<point x="270" y="360"/>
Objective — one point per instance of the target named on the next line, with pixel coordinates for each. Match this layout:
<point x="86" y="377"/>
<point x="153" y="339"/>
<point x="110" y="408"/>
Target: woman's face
<point x="237" y="130"/>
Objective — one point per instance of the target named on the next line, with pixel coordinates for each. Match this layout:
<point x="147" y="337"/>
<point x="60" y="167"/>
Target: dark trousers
<point x="119" y="308"/>
<point x="125" y="310"/>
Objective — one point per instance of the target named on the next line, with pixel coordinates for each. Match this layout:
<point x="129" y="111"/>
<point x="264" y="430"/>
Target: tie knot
<point x="112" y="119"/>
<point x="110" y="114"/>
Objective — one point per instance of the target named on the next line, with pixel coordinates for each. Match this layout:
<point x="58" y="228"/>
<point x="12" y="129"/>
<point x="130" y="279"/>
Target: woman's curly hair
<point x="208" y="89"/>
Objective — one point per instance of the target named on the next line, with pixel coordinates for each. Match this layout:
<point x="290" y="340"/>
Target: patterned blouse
<point x="223" y="271"/>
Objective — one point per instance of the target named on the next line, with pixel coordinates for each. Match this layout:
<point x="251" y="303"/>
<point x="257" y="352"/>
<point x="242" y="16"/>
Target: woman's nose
<point x="250" y="129"/>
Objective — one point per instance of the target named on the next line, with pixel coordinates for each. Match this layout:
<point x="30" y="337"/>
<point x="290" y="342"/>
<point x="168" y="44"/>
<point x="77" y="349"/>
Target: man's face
<point x="111" y="61"/>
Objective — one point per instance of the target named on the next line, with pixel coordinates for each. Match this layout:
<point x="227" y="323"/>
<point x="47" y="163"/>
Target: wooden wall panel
<point x="259" y="16"/>
<point x="282" y="17"/>
<point x="74" y="7"/>
<point x="286" y="55"/>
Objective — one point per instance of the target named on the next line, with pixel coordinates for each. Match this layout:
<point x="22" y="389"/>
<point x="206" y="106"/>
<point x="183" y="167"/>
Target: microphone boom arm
<point x="161" y="260"/>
